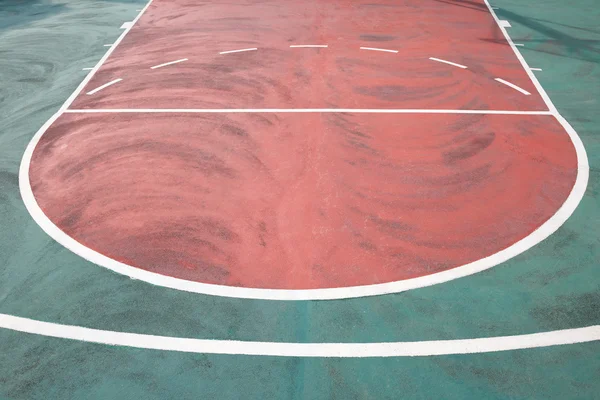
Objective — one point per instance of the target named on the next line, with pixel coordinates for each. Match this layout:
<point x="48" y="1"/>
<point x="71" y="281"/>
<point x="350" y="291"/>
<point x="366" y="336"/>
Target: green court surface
<point x="44" y="46"/>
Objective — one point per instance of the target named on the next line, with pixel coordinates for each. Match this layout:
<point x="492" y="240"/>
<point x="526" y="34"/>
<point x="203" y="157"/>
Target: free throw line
<point x="302" y="110"/>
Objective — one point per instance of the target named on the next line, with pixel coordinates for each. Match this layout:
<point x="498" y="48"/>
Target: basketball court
<point x="306" y="194"/>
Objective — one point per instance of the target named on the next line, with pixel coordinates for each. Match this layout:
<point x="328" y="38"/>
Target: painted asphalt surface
<point x="553" y="286"/>
<point x="316" y="200"/>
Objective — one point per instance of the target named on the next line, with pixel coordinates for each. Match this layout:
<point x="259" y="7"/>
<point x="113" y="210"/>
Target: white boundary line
<point x="169" y="63"/>
<point x="99" y="88"/>
<point x="238" y="51"/>
<point x="512" y="85"/>
<point x="377" y="49"/>
<point x="545" y="230"/>
<point x="282" y="349"/>
<point x="463" y="346"/>
<point x="299" y="110"/>
<point x="448" y="62"/>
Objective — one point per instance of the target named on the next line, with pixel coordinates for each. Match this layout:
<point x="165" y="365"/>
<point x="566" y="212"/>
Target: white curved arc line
<point x="541" y="233"/>
<point x="378" y="49"/>
<point x="238" y="51"/>
<point x="93" y="91"/>
<point x="283" y="349"/>
<point x="512" y="85"/>
<point x="448" y="62"/>
<point x="545" y="230"/>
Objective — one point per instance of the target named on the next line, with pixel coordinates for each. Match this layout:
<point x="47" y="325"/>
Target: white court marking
<point x="87" y="69"/>
<point x="298" y="46"/>
<point x="282" y="349"/>
<point x="519" y="247"/>
<point x="377" y="49"/>
<point x="519" y="44"/>
<point x="127" y="25"/>
<point x="301" y="110"/>
<point x="238" y="51"/>
<point x="107" y="45"/>
<point x="168" y="63"/>
<point x="505" y="24"/>
<point x="448" y="62"/>
<point x="382" y="349"/>
<point x="535" y="69"/>
<point x="512" y="85"/>
<point x="104" y="86"/>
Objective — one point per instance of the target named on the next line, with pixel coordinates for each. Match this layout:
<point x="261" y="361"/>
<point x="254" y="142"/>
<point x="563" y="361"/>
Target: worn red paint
<point x="305" y="200"/>
<point x="301" y="200"/>
<point x="341" y="76"/>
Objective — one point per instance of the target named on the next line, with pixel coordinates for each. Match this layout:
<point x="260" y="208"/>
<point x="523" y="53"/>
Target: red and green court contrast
<point x="299" y="199"/>
<point x="312" y="159"/>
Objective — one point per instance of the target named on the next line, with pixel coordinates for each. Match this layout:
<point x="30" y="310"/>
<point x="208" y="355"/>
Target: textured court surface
<point x="282" y="200"/>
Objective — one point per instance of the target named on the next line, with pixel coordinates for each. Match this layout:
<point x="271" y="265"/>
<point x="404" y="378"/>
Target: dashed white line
<point x="238" y="51"/>
<point x="512" y="85"/>
<point x="168" y="63"/>
<point x="376" y="49"/>
<point x="104" y="86"/>
<point x="296" y="46"/>
<point x="448" y="62"/>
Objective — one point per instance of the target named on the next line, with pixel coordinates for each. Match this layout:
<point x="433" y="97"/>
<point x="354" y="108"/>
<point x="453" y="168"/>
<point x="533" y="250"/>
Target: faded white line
<point x="303" y="110"/>
<point x="104" y="86"/>
<point x="448" y="62"/>
<point x="296" y="46"/>
<point x="282" y="349"/>
<point x="512" y="85"/>
<point x="238" y="51"/>
<point x="168" y="63"/>
<point x="376" y="49"/>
